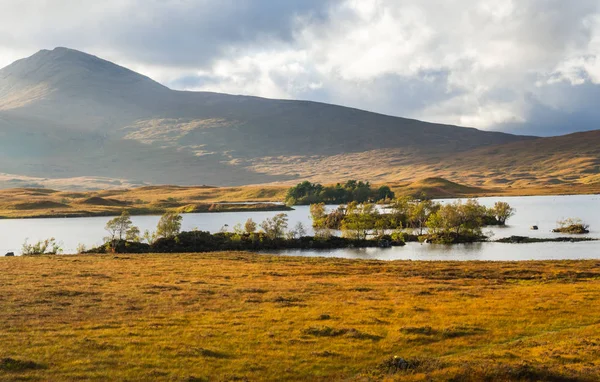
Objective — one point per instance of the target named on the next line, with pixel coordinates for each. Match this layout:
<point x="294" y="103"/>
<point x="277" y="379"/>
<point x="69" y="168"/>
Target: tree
<point x="319" y="220"/>
<point x="297" y="232"/>
<point x="275" y="227"/>
<point x="121" y="228"/>
<point x="353" y="190"/>
<point x="169" y="225"/>
<point x="472" y="216"/>
<point x="250" y="226"/>
<point x="419" y="212"/>
<point x="303" y="193"/>
<point x="133" y="234"/>
<point x="380" y="226"/>
<point x="502" y="211"/>
<point x="400" y="211"/>
<point x="362" y="192"/>
<point x="384" y="193"/>
<point x="238" y="229"/>
<point x="334" y="219"/>
<point x="358" y="220"/>
<point x="150" y="237"/>
<point x="444" y="220"/>
<point x="457" y="218"/>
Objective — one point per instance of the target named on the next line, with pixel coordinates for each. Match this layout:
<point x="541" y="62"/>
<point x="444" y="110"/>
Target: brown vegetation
<point x="41" y="202"/>
<point x="31" y="202"/>
<point x="237" y="316"/>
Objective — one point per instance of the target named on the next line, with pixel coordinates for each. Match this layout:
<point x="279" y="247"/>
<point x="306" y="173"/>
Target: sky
<point x="521" y="66"/>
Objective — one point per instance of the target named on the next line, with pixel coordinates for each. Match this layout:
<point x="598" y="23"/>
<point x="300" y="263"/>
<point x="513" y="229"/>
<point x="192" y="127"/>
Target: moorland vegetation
<point x="242" y="316"/>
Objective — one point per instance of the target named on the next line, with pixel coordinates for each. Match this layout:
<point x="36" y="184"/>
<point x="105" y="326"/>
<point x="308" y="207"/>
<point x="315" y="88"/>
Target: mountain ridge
<point x="67" y="114"/>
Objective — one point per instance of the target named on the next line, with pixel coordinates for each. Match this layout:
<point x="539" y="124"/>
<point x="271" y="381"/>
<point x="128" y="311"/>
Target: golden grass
<point x="27" y="202"/>
<point x="239" y="316"/>
<point x="556" y="162"/>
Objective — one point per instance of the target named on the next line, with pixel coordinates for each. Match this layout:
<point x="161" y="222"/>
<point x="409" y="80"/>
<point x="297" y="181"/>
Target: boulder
<point x="395" y="365"/>
<point x="384" y="244"/>
<point x="10" y="254"/>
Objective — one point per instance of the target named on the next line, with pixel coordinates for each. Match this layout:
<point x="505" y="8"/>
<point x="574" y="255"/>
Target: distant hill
<point x="69" y="118"/>
<point x="563" y="160"/>
<point x="560" y="162"/>
<point x="438" y="188"/>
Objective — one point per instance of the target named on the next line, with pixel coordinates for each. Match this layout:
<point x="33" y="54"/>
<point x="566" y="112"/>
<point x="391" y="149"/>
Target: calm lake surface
<point x="542" y="211"/>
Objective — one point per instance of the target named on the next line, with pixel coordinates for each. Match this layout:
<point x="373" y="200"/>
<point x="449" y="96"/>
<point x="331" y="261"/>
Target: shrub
<point x="42" y="247"/>
<point x="275" y="227"/>
<point x="572" y="225"/>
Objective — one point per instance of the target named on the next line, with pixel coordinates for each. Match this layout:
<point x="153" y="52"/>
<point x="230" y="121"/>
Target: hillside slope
<point x="66" y="114"/>
<point x="572" y="159"/>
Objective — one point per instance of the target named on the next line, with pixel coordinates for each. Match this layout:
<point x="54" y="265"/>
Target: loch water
<point x="543" y="211"/>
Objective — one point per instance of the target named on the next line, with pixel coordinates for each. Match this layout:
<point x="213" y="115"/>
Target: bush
<point x="201" y="241"/>
<point x="573" y="226"/>
<point x="42" y="247"/>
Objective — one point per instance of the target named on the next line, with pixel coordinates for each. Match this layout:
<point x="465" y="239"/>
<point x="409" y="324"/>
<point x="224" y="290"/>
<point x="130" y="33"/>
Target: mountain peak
<point x="92" y="89"/>
<point x="62" y="49"/>
<point x="63" y="53"/>
<point x="67" y="68"/>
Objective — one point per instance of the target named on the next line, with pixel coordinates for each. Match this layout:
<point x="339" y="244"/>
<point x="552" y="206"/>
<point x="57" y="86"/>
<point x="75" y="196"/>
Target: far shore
<point x="155" y="200"/>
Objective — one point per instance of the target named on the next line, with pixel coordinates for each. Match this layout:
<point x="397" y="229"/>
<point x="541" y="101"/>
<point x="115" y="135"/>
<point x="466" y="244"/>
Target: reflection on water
<point x="463" y="252"/>
<point x="542" y="211"/>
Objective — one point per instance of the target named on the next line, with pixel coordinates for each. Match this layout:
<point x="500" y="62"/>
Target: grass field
<point x="40" y="202"/>
<point x="238" y="316"/>
<point x="151" y="200"/>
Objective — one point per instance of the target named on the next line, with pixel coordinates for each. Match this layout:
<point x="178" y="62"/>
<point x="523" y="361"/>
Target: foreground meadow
<point x="240" y="316"/>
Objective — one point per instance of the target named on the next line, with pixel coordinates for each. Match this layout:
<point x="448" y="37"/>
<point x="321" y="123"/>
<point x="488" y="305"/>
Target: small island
<point x="572" y="226"/>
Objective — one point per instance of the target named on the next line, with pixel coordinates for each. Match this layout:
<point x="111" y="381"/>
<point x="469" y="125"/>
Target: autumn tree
<point x="169" y="225"/>
<point x="319" y="217"/>
<point x="419" y="212"/>
<point x="502" y="211"/>
<point x="275" y="227"/>
<point x="359" y="219"/>
<point x="121" y="229"/>
<point x="250" y="226"/>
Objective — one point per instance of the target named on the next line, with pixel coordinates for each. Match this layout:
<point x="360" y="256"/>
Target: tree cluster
<point x="352" y="191"/>
<point x="273" y="234"/>
<point x="122" y="232"/>
<point x="410" y="218"/>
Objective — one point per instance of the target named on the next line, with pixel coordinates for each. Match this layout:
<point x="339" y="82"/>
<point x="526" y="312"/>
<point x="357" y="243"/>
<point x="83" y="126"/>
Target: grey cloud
<point x="177" y="33"/>
<point x="560" y="109"/>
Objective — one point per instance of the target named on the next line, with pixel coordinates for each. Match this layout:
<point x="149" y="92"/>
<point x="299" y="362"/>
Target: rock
<point x="10" y="254"/>
<point x="534" y="227"/>
<point x="384" y="244"/>
<point x="394" y="365"/>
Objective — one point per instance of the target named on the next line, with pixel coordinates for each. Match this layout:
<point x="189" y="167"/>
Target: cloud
<point x="176" y="33"/>
<point x="525" y="66"/>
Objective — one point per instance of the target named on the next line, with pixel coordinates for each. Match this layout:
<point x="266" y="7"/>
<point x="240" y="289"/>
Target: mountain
<point x="65" y="114"/>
